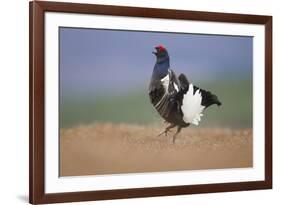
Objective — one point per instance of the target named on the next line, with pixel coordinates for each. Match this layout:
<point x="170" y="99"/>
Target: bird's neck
<point x="163" y="59"/>
<point x="161" y="68"/>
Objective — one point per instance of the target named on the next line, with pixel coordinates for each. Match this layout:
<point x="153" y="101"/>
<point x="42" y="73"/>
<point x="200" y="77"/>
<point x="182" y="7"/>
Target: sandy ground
<point x="110" y="149"/>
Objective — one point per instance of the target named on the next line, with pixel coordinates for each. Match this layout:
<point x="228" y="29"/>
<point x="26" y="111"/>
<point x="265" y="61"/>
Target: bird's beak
<point x="154" y="52"/>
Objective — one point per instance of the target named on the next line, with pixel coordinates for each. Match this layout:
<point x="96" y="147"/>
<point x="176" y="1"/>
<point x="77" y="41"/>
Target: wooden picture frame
<point x="37" y="11"/>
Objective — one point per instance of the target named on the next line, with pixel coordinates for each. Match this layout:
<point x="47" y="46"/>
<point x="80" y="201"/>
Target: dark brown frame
<point x="36" y="99"/>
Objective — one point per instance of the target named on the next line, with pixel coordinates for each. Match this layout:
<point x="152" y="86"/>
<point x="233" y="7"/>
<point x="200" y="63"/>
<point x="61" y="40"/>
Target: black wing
<point x="156" y="92"/>
<point x="174" y="84"/>
<point x="162" y="97"/>
<point x="184" y="83"/>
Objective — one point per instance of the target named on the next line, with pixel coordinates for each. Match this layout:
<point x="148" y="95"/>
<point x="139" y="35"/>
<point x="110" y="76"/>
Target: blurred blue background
<point x="104" y="75"/>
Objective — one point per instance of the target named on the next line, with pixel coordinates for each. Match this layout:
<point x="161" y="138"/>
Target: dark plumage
<point x="176" y="100"/>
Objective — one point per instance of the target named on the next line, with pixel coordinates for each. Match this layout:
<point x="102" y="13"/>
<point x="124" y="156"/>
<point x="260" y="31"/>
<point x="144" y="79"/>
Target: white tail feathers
<point x="191" y="106"/>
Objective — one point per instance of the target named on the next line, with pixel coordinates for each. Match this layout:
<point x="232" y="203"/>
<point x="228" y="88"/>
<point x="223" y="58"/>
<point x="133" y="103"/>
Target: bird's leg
<point x="174" y="136"/>
<point x="167" y="129"/>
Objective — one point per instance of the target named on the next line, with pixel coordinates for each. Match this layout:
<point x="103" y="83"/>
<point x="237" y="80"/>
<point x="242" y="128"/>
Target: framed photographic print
<point x="139" y="102"/>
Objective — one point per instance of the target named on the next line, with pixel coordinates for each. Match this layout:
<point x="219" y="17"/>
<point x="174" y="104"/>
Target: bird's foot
<point x="167" y="130"/>
<point x="164" y="132"/>
<point x="175" y="135"/>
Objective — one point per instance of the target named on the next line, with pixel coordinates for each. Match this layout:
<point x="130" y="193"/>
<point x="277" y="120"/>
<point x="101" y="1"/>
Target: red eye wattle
<point x="161" y="48"/>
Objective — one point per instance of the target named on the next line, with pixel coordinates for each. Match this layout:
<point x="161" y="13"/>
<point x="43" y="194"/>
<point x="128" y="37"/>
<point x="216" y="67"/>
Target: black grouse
<point x="177" y="101"/>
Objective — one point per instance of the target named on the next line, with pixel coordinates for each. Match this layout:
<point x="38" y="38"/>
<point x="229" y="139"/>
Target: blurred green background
<point x="104" y="75"/>
<point x="135" y="107"/>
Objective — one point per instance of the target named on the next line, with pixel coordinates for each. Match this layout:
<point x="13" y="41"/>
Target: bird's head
<point x="161" y="53"/>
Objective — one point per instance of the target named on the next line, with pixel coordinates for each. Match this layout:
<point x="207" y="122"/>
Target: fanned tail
<point x="194" y="101"/>
<point x="191" y="106"/>
<point x="209" y="99"/>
